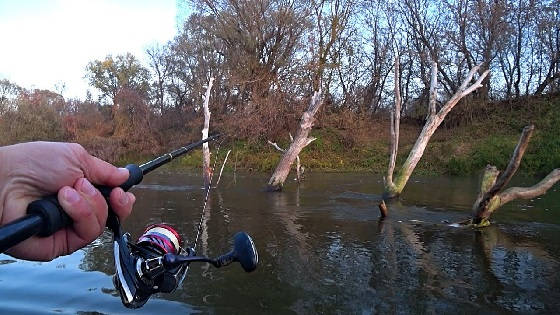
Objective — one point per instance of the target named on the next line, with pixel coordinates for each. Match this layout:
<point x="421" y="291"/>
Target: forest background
<point x="269" y="56"/>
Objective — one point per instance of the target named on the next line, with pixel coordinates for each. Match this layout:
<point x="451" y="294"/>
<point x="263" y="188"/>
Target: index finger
<point x="100" y="172"/>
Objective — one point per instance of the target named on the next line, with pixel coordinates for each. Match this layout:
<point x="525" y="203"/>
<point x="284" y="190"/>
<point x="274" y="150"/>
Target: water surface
<point x="322" y="249"/>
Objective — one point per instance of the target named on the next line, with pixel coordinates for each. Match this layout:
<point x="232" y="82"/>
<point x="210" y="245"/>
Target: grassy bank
<point x="462" y="150"/>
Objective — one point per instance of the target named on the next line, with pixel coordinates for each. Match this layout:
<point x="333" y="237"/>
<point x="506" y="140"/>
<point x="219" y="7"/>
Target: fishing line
<point x="206" y="198"/>
<point x="193" y="249"/>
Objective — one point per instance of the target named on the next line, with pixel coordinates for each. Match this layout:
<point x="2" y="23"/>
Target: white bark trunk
<point x="206" y="169"/>
<point x="298" y="163"/>
<point x="394" y="128"/>
<point x="430" y="127"/>
<point x="301" y="140"/>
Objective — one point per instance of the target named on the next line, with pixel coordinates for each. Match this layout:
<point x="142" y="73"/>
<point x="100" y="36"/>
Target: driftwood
<point x="393" y="188"/>
<point x="206" y="169"/>
<point x="491" y="197"/>
<point x="300" y="141"/>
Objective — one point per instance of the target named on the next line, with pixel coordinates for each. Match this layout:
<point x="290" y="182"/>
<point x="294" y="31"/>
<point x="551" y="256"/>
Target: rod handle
<point x="50" y="210"/>
<point x="54" y="217"/>
<point x="134" y="178"/>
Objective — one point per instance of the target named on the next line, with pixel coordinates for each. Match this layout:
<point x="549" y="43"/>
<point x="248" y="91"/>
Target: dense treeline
<point x="268" y="56"/>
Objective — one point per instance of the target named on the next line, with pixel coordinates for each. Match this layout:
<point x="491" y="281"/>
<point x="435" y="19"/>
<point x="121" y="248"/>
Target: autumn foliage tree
<point x="111" y="75"/>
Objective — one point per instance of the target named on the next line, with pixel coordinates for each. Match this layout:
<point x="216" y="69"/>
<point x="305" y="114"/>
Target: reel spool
<point x="162" y="238"/>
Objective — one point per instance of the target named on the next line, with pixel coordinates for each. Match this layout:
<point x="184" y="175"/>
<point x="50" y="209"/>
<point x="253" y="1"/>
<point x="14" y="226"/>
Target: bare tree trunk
<point x="299" y="172"/>
<point x="395" y="125"/>
<point x="490" y="197"/>
<point x="300" y="141"/>
<point x="206" y="169"/>
<point x="394" y="188"/>
<point x="298" y="164"/>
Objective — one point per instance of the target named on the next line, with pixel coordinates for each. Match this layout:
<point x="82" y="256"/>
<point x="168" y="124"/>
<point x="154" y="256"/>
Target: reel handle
<point x="46" y="216"/>
<point x="244" y="252"/>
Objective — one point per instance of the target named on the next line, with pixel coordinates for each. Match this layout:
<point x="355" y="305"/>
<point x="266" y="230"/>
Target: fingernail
<point x="123" y="171"/>
<point x="87" y="188"/>
<point x="71" y="196"/>
<point x="123" y="198"/>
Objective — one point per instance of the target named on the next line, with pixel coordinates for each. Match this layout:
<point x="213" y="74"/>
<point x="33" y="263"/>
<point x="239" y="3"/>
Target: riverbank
<point x="466" y="149"/>
<point x="462" y="150"/>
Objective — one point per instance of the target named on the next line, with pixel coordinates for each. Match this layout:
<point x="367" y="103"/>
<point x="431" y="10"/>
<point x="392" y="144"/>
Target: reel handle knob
<point x="244" y="251"/>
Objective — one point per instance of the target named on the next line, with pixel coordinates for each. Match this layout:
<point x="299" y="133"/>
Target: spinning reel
<point x="157" y="262"/>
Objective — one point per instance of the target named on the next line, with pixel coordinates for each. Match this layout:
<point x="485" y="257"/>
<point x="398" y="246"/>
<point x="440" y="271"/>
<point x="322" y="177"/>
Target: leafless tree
<point x="393" y="188"/>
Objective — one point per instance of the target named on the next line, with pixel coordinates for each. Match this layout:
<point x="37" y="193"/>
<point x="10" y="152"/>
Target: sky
<point x="47" y="44"/>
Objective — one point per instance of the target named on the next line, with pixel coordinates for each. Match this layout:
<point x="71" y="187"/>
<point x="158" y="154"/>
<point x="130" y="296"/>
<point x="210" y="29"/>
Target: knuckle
<point x="78" y="151"/>
<point x="77" y="148"/>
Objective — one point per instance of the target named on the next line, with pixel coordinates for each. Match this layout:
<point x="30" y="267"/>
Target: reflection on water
<point x="322" y="249"/>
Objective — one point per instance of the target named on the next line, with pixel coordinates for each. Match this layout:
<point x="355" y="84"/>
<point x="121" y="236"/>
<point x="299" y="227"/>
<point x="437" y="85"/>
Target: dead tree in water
<point x="491" y="196"/>
<point x="300" y="141"/>
<point x="299" y="169"/>
<point x="393" y="188"/>
<point x="206" y="169"/>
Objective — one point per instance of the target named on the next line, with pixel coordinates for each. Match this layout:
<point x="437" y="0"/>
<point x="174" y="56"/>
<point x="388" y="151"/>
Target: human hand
<point x="29" y="171"/>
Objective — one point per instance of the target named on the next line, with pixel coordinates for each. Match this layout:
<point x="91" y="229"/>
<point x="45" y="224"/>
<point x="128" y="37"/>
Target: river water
<point x="322" y="249"/>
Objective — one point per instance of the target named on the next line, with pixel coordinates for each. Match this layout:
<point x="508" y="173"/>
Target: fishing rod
<point x="156" y="262"/>
<point x="45" y="216"/>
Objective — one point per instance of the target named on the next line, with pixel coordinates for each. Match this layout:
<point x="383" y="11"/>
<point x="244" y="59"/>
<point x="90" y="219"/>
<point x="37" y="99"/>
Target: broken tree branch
<point x="514" y="162"/>
<point x="222" y="169"/>
<point x="531" y="192"/>
<point x="299" y="172"/>
<point x="298" y="163"/>
<point x="276" y="146"/>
